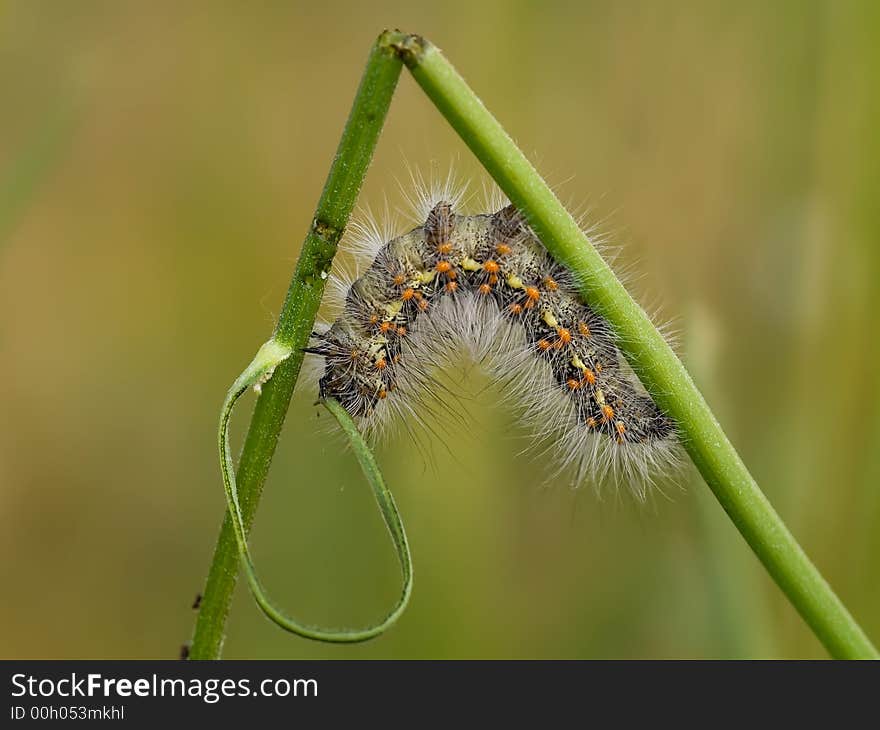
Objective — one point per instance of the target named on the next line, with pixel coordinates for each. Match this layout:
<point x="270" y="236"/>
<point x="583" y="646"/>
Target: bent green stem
<point x="646" y="349"/>
<point x="651" y="357"/>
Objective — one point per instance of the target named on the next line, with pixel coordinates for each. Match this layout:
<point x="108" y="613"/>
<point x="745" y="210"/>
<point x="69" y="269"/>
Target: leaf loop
<point x="260" y="371"/>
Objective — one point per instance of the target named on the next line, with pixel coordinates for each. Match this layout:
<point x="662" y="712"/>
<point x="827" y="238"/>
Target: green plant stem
<point x="31" y="166"/>
<point x="650" y="355"/>
<point x="297" y="318"/>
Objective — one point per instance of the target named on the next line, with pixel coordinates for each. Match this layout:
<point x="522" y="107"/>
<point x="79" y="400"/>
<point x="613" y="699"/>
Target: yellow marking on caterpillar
<point x="393" y="307"/>
<point x="425" y="277"/>
<point x="469" y="264"/>
<point x="514" y="282"/>
<point x="600" y="397"/>
<point x="550" y="319"/>
<point x="578" y="363"/>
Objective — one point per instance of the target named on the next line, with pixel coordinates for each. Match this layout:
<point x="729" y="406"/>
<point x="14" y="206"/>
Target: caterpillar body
<point x="484" y="286"/>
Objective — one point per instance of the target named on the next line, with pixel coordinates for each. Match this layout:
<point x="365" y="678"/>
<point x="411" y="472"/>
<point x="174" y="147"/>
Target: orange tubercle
<point x="544" y="345"/>
<point x="399" y="279"/>
<point x="381" y="364"/>
<point x="445" y="247"/>
<point x="401" y="331"/>
<point x="590" y="376"/>
<point x="572" y="384"/>
<point x="451" y="286"/>
<point x="550" y="283"/>
<point x="607" y="413"/>
<point x="515" y="308"/>
<point x="491" y="266"/>
<point x="385" y="326"/>
<point x="485" y="289"/>
<point x="442" y="267"/>
<point x="502" y="249"/>
<point x="408" y="294"/>
<point x="564" y="335"/>
<point x="532" y="296"/>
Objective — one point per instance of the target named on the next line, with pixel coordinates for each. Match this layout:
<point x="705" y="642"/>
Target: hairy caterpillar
<point x="483" y="285"/>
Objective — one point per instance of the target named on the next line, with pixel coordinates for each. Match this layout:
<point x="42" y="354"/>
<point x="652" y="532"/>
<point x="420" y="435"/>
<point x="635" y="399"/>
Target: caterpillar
<point x="483" y="286"/>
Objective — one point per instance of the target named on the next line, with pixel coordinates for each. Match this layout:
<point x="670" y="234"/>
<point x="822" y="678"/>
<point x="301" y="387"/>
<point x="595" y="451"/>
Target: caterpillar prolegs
<point x="484" y="285"/>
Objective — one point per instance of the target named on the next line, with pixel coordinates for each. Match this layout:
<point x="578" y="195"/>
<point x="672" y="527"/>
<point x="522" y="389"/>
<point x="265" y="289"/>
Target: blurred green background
<point x="159" y="165"/>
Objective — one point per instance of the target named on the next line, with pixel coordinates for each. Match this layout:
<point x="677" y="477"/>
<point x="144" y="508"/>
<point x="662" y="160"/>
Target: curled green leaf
<point x="261" y="369"/>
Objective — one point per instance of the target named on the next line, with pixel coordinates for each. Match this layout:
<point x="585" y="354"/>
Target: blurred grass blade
<point x="22" y="178"/>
